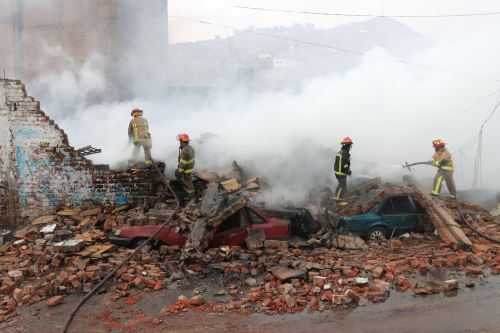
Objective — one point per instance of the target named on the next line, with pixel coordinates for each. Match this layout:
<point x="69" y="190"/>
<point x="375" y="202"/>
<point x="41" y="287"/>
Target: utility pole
<point x="17" y="28"/>
<point x="166" y="15"/>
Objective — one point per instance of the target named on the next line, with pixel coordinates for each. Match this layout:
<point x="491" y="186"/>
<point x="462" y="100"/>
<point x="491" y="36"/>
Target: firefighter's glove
<point x="349" y="172"/>
<point x="443" y="162"/>
<point x="177" y="174"/>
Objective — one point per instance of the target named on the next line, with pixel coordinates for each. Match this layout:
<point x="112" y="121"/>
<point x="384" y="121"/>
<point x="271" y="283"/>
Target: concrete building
<point x="32" y="31"/>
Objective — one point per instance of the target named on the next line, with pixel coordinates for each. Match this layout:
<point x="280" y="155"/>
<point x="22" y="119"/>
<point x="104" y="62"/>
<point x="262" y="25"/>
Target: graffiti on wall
<point x="47" y="173"/>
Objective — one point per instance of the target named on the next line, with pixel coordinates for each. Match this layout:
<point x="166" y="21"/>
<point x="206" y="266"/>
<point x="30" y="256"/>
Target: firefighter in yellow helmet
<point x="186" y="164"/>
<point x="443" y="161"/>
<point x="138" y="133"/>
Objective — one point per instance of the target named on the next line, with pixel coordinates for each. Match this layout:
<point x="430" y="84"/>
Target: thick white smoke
<point x="391" y="111"/>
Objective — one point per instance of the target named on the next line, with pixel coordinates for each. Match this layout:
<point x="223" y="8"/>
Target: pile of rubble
<point x="68" y="253"/>
<point x="293" y="276"/>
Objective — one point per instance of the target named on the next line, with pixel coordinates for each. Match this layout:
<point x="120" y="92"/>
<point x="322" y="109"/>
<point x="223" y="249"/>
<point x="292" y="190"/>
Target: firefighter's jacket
<point x="342" y="163"/>
<point x="138" y="130"/>
<point x="443" y="160"/>
<point x="186" y="159"/>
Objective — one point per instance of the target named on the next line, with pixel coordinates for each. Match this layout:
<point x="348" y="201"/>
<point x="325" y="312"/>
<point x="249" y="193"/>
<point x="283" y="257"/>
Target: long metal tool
<point x="408" y="166"/>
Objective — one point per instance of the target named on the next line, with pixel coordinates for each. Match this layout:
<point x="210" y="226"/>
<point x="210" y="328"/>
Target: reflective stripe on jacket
<point x="186" y="159"/>
<point x="342" y="163"/>
<point x="441" y="155"/>
<point x="138" y="129"/>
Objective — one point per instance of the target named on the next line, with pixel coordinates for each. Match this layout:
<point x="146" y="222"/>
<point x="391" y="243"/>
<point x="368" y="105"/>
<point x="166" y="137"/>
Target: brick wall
<point x="4" y="208"/>
<point x="41" y="169"/>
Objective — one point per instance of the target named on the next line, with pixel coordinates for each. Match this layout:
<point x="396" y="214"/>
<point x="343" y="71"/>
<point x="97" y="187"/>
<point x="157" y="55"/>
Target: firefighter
<point x="443" y="161"/>
<point x="342" y="168"/>
<point x="185" y="169"/>
<point x="138" y="134"/>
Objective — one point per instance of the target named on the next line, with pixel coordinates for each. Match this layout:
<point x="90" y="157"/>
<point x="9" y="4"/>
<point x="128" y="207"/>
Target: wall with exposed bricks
<point x="44" y="171"/>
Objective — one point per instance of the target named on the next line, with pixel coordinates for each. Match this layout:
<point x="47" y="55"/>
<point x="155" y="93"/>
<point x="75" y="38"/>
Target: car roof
<point x="397" y="195"/>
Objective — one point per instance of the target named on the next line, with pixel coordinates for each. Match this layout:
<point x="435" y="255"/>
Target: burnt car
<point x="392" y="216"/>
<point x="233" y="231"/>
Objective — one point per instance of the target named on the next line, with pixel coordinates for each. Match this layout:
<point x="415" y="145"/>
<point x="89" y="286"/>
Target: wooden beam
<point x="449" y="230"/>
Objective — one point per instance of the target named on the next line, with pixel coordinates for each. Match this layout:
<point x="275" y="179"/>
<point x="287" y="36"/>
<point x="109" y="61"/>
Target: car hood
<point x="361" y="218"/>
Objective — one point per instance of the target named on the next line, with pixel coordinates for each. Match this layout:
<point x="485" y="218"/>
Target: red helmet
<point x="136" y="112"/>
<point x="183" y="137"/>
<point x="346" y="141"/>
<point x="438" y="143"/>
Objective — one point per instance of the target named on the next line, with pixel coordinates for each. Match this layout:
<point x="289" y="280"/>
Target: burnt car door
<point x="233" y="231"/>
<point x="272" y="228"/>
<point x="398" y="215"/>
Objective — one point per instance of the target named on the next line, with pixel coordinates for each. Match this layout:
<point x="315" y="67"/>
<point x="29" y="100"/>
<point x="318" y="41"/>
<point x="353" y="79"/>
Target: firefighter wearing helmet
<point x="342" y="168"/>
<point x="443" y="161"/>
<point x="139" y="136"/>
<point x="185" y="167"/>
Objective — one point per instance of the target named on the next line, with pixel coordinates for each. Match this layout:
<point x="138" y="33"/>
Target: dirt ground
<point x="470" y="310"/>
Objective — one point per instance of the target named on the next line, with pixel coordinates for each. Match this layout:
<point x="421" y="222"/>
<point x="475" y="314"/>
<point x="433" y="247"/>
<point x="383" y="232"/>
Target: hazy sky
<point x="221" y="12"/>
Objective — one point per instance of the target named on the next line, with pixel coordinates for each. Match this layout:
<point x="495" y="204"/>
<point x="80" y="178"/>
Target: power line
<point x="339" y="49"/>
<point x="366" y="15"/>
<point x="491" y="114"/>
<point x="472" y="142"/>
<point x="493" y="93"/>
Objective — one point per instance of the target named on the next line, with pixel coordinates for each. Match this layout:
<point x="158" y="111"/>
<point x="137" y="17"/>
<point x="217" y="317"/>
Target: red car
<point x="233" y="231"/>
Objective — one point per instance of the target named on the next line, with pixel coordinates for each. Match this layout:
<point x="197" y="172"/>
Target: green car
<point x="393" y="216"/>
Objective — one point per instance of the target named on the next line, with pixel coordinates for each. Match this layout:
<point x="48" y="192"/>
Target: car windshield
<point x="375" y="208"/>
<point x="256" y="219"/>
<point x="234" y="221"/>
<point x="397" y="205"/>
<point x="419" y="208"/>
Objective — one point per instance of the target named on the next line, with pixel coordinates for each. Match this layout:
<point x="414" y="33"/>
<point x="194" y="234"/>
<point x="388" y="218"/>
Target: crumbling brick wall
<point x="47" y="172"/>
<point x="3" y="203"/>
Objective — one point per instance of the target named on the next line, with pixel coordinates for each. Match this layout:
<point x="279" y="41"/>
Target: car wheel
<point x="377" y="233"/>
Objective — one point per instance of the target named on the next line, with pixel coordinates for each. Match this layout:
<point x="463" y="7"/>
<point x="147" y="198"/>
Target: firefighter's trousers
<point x="341" y="187"/>
<point x="146" y="145"/>
<point x="446" y="176"/>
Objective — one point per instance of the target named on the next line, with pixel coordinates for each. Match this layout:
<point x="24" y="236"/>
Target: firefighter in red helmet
<point x="342" y="168"/>
<point x="443" y="161"/>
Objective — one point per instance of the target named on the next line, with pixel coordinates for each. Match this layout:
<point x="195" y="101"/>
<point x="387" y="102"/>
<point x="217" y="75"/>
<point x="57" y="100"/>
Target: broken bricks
<point x="276" y="244"/>
<point x="285" y="272"/>
<point x="450" y="285"/>
<point x="54" y="301"/>
<point x="336" y="269"/>
<point x="348" y="242"/>
<point x="70" y="245"/>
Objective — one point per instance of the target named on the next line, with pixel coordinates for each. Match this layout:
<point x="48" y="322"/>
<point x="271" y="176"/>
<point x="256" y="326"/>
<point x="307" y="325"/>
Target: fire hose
<point x="464" y="221"/>
<point x="130" y="256"/>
